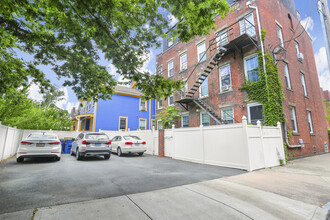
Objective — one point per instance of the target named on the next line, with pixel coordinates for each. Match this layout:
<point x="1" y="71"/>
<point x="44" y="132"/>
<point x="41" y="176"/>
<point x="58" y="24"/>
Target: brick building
<point x="215" y="67"/>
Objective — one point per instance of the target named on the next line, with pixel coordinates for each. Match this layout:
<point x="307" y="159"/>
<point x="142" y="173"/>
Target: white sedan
<point x="124" y="144"/>
<point x="39" y="145"/>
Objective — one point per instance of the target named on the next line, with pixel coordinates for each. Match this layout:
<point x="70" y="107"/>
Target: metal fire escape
<point x="238" y="35"/>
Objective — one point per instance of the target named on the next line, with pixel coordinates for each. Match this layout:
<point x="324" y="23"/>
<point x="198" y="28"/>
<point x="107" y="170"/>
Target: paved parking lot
<point x="42" y="182"/>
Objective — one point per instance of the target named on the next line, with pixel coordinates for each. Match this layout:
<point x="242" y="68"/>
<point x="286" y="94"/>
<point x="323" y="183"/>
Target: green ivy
<point x="267" y="90"/>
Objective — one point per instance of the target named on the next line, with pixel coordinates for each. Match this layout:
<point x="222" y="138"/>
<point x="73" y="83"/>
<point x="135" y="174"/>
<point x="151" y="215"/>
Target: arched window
<point x="291" y="24"/>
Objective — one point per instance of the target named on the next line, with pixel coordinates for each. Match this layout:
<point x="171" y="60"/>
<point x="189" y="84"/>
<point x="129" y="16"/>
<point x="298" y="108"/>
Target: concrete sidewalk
<point x="295" y="191"/>
<point x="215" y="199"/>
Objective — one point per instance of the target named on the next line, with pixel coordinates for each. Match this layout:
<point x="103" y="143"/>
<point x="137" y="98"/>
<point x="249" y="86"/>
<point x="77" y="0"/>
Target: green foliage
<point x="263" y="34"/>
<point x="69" y="35"/>
<point x="16" y="109"/>
<point x="168" y="116"/>
<point x="329" y="133"/>
<point x="267" y="90"/>
<point x="51" y="97"/>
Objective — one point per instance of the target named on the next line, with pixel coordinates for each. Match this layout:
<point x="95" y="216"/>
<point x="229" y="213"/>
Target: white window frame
<point x="169" y="70"/>
<point x="199" y="52"/>
<point x="201" y="118"/>
<point x="141" y="107"/>
<point x="226" y="108"/>
<point x="184" y="115"/>
<point x="249" y="105"/>
<point x="222" y="37"/>
<point x="310" y="122"/>
<point x="296" y="43"/>
<point x="220" y="80"/>
<point x="303" y="82"/>
<point x="158" y="106"/>
<point x="245" y="65"/>
<point x="287" y="75"/>
<point x="200" y="89"/>
<point x="293" y="118"/>
<point x="160" y="70"/>
<point x="245" y="25"/>
<point x="183" y="67"/>
<point x="169" y="100"/>
<point x="280" y="35"/>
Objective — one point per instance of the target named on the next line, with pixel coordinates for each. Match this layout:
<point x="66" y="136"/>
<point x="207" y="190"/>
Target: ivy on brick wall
<point x="267" y="90"/>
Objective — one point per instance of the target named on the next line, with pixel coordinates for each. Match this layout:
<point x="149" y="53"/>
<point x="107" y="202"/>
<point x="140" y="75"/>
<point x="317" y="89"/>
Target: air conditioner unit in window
<point x="143" y="108"/>
<point x="184" y="66"/>
<point x="225" y="88"/>
<point x="301" y="56"/>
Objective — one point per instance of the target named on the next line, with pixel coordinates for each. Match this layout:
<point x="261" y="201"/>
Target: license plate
<point x="97" y="144"/>
<point x="137" y="144"/>
<point x="40" y="145"/>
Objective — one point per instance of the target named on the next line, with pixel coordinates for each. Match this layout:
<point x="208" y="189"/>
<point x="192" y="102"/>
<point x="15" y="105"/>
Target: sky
<point x="309" y="19"/>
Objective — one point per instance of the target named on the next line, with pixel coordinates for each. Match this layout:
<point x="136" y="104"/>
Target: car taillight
<point x="85" y="142"/>
<point x="108" y="143"/>
<point x="128" y="143"/>
<point x="144" y="142"/>
<point x="25" y="143"/>
<point x="54" y="143"/>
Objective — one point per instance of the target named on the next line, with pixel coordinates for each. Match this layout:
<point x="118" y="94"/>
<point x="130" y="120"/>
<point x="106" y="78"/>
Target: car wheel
<point x="57" y="158"/>
<point x="119" y="153"/>
<point x="71" y="153"/>
<point x="78" y="157"/>
<point x="107" y="156"/>
<point x="20" y="160"/>
<point x="140" y="154"/>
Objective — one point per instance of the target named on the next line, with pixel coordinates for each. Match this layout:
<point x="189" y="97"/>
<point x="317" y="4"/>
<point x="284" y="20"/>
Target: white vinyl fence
<point x="243" y="146"/>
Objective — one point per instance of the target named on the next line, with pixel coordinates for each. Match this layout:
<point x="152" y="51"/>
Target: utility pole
<point x="323" y="9"/>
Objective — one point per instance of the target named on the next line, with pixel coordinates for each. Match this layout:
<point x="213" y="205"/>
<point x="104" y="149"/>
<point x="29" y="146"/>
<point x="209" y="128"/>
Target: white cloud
<point x="70" y="105"/>
<point x="65" y="97"/>
<point x="173" y="20"/>
<point x="321" y="61"/>
<point x="112" y="69"/>
<point x="34" y="92"/>
<point x="308" y="24"/>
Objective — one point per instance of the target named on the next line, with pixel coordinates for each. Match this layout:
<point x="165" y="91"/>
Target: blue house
<point x="125" y="111"/>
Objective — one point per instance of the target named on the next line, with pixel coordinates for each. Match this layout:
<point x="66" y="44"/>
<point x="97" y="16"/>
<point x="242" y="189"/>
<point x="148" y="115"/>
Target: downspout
<point x="287" y="140"/>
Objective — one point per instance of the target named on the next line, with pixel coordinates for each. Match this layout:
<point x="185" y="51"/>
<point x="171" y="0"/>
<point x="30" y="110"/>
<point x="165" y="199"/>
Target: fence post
<point x="279" y="126"/>
<point x="202" y="139"/>
<point x="245" y="139"/>
<point x="173" y="142"/>
<point x="4" y="144"/>
<point x="262" y="143"/>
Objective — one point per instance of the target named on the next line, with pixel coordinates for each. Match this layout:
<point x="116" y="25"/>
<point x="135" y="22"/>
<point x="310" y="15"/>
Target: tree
<point x="51" y="97"/>
<point x="69" y="35"/>
<point x="168" y="116"/>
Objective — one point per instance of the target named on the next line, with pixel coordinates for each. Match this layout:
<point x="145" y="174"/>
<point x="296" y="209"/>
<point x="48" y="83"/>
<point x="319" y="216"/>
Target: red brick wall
<point x="161" y="143"/>
<point x="269" y="12"/>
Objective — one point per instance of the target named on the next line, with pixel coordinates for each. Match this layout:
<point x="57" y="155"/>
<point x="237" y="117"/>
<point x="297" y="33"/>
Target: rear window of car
<point x="41" y="136"/>
<point x="133" y="138"/>
<point x="97" y="137"/>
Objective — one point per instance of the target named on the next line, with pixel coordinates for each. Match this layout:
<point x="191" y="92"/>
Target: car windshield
<point x="133" y="138"/>
<point x="41" y="136"/>
<point x="97" y="137"/>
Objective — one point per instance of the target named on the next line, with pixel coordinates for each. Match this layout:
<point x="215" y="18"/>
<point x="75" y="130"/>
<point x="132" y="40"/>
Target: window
<point x="203" y="89"/>
<point x="201" y="51"/>
<point x="290" y="19"/>
<point x="142" y="124"/>
<point x="246" y="25"/>
<point x="286" y="75"/>
<point x="293" y="119"/>
<point x="143" y="105"/>
<point x="160" y="70"/>
<point x="303" y="84"/>
<point x="160" y="104"/>
<point x="183" y="61"/>
<point x="170" y="43"/>
<point x="123" y="122"/>
<point x="309" y="117"/>
<point x="225" y="78"/>
<point x="255" y="113"/>
<point x="170" y="68"/>
<point x="171" y="100"/>
<point x="205" y="119"/>
<point x="280" y="36"/>
<point x="222" y="38"/>
<point x="227" y="115"/>
<point x="159" y="125"/>
<point x="251" y="68"/>
<point x="297" y="49"/>
<point x="185" y="121"/>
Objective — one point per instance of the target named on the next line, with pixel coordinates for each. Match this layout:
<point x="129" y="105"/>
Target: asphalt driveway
<point x="42" y="182"/>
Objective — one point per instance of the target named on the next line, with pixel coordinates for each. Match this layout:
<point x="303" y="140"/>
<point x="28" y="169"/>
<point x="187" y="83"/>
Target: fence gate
<point x="168" y="145"/>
